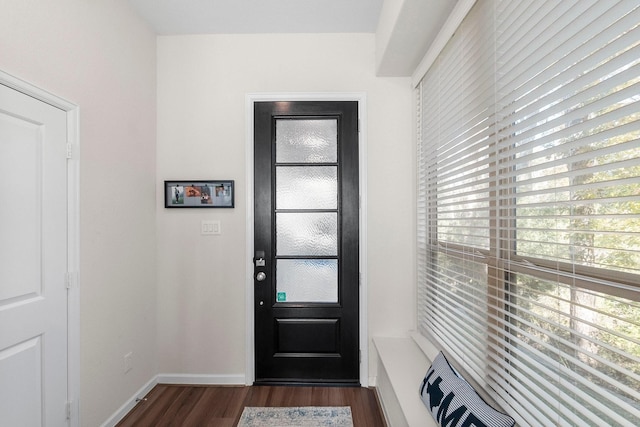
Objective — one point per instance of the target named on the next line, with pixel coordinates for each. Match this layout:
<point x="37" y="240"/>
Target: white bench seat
<point x="402" y="364"/>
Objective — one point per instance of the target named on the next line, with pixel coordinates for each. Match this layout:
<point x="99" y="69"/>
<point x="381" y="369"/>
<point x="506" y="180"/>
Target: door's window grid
<point x="306" y="210"/>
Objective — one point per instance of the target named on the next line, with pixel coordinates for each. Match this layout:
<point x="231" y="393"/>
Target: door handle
<point x="261" y="276"/>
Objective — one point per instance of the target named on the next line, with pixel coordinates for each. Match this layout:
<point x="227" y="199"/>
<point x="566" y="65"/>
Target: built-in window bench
<point x="402" y="364"/>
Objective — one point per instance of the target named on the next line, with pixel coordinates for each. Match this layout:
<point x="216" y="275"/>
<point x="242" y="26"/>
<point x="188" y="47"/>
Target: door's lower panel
<point x="307" y="337"/>
<point x="309" y="351"/>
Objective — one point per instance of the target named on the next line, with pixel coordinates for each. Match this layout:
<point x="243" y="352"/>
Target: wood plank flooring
<point x="221" y="406"/>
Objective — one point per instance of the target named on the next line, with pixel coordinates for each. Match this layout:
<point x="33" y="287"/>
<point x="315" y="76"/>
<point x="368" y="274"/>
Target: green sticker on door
<point x="281" y="296"/>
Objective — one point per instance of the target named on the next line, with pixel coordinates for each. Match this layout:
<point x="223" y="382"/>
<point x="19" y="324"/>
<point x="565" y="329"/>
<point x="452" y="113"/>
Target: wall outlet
<point x="128" y="362"/>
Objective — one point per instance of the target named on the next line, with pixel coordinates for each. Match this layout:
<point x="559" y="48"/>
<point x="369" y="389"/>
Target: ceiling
<point x="172" y="17"/>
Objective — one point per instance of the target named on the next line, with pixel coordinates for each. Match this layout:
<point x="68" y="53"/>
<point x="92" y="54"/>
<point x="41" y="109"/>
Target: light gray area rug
<point x="305" y="416"/>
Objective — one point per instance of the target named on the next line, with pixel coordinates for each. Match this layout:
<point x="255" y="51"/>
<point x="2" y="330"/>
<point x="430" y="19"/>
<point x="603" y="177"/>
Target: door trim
<point x="73" y="234"/>
<point x="250" y="99"/>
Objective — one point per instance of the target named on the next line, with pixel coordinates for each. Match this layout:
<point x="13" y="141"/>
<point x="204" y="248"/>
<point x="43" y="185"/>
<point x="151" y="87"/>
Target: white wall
<point x="99" y="55"/>
<point x="202" y="84"/>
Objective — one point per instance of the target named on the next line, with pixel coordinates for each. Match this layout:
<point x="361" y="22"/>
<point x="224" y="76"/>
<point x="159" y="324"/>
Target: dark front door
<point x="306" y="242"/>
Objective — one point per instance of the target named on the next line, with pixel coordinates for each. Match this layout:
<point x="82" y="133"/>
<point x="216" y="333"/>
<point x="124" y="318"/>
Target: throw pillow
<point x="453" y="402"/>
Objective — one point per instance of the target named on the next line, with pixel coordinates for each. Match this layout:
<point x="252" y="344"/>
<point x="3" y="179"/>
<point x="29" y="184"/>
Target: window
<point x="529" y="207"/>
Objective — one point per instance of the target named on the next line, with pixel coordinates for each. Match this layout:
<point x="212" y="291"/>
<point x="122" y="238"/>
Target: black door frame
<point x="249" y="281"/>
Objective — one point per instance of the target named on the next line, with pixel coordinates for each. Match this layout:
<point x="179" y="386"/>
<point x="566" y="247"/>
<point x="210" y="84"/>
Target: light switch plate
<point x="210" y="227"/>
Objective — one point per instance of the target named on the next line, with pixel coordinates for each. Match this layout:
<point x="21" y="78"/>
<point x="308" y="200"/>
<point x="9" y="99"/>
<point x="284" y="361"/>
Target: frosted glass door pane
<point x="309" y="280"/>
<point x="307" y="187"/>
<point x="307" y="234"/>
<point x="307" y="141"/>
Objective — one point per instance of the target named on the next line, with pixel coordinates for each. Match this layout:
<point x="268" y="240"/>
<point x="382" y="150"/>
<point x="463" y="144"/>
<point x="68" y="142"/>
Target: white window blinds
<point x="529" y="207"/>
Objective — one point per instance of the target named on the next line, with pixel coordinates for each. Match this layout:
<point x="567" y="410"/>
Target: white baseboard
<point x="129" y="404"/>
<point x="197" y="379"/>
<point x="372" y="381"/>
<point x="185" y="379"/>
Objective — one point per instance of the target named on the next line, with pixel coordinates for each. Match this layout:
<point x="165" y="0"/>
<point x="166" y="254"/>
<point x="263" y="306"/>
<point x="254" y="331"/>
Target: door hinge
<point x="68" y="409"/>
<point x="69" y="150"/>
<point x="69" y="278"/>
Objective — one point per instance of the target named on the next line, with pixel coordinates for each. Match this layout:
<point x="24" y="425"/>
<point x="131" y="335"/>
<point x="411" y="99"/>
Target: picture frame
<point x="199" y="194"/>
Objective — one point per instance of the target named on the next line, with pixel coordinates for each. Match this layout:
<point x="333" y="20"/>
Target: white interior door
<point x="33" y="262"/>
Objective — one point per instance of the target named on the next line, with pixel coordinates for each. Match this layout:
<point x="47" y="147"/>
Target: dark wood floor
<point x="221" y="406"/>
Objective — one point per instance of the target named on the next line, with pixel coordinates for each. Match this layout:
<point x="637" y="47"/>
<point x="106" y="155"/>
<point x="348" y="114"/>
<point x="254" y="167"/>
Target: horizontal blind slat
<point x="533" y="66"/>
